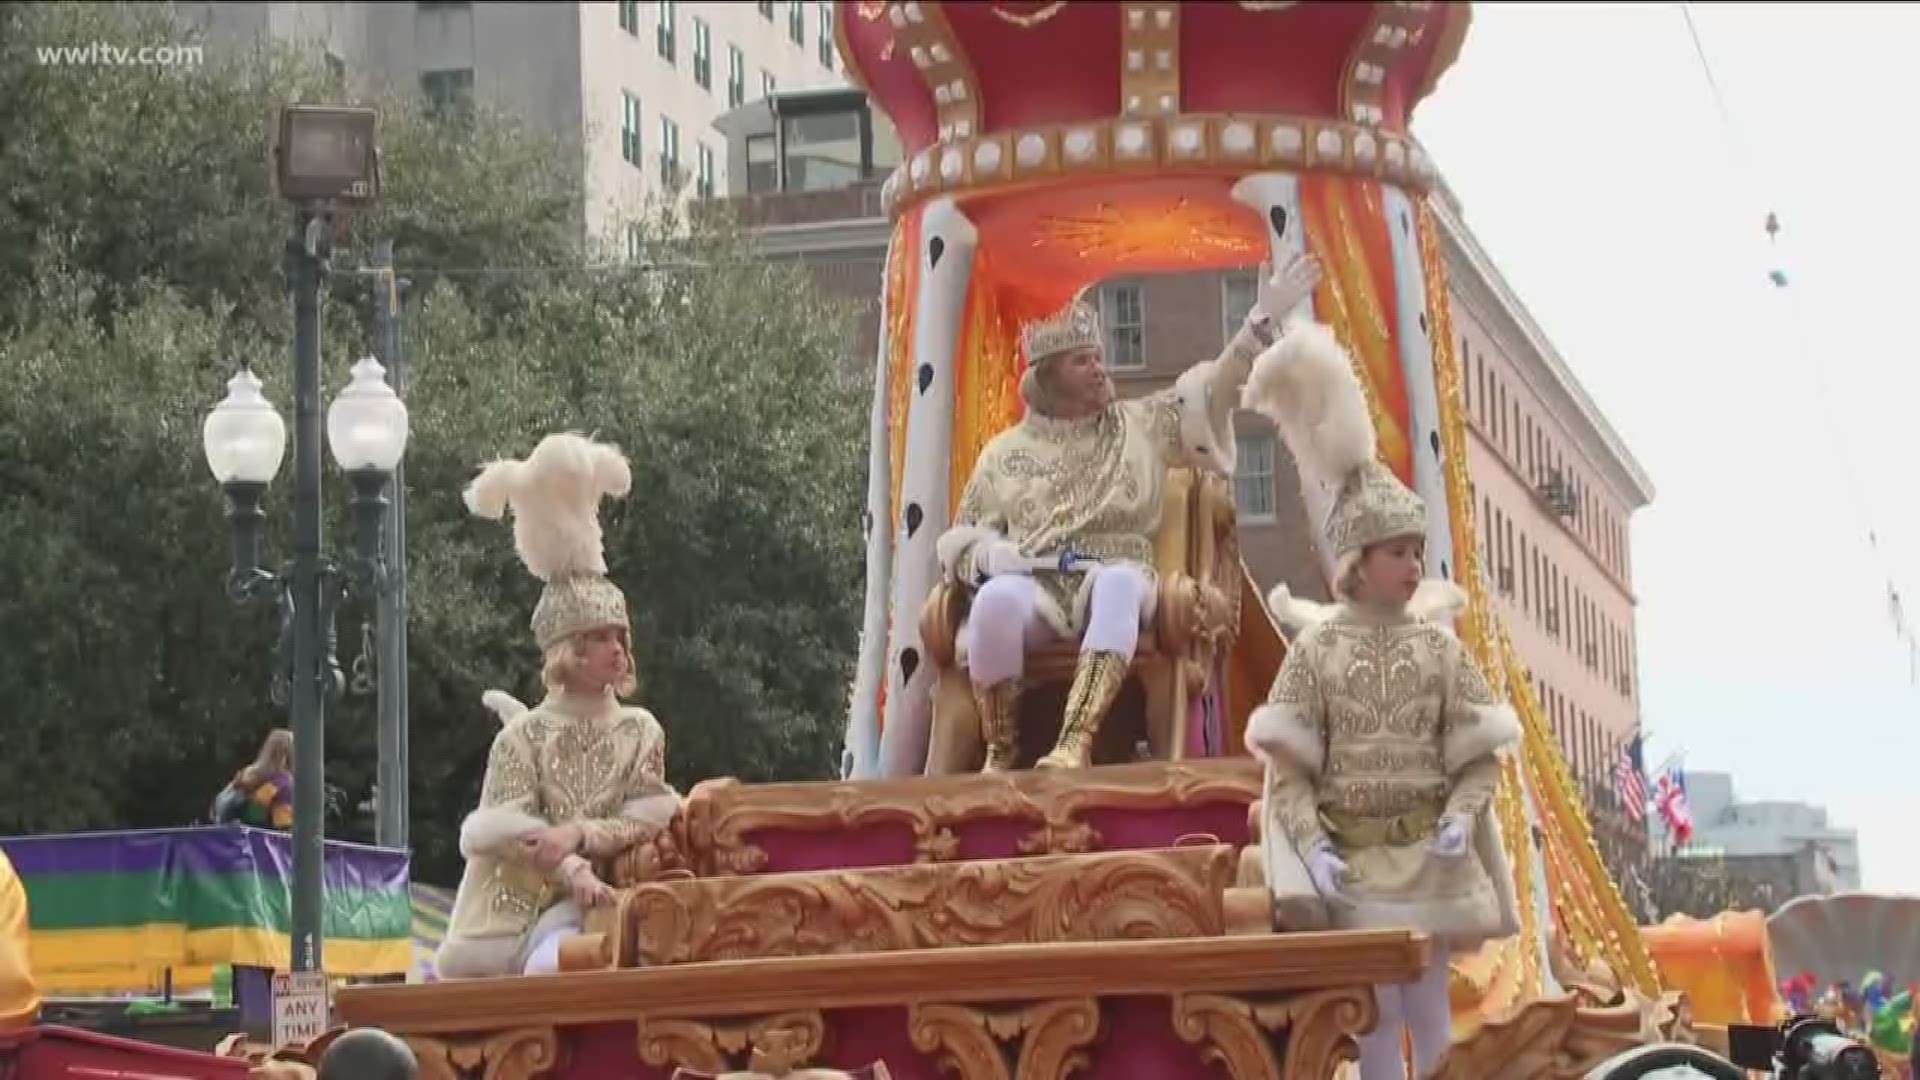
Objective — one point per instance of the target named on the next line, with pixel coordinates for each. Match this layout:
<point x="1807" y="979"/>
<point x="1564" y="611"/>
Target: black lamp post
<point x="326" y="163"/>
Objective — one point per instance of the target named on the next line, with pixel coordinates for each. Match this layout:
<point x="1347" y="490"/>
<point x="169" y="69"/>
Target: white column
<point x="1417" y="355"/>
<point x="947" y="242"/>
<point x="861" y="750"/>
<point x="1276" y="198"/>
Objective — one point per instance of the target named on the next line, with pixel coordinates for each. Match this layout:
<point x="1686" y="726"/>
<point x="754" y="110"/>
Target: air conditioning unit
<point x="1557" y="492"/>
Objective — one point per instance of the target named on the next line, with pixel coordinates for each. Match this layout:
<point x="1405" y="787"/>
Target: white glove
<point x="999" y="557"/>
<point x="1451" y="841"/>
<point x="1286" y="288"/>
<point x="1327" y="870"/>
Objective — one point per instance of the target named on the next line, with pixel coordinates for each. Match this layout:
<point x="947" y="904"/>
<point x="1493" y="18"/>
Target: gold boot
<point x="999" y="707"/>
<point x="1095" y="684"/>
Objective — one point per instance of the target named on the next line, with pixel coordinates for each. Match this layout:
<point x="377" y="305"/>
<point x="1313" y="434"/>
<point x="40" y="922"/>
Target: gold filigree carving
<point x="1166" y="893"/>
<point x="777" y="1045"/>
<point x="1564" y="1037"/>
<point x="1320" y="1028"/>
<point x="1058" y="1033"/>
<point x="1228" y="1035"/>
<point x="722" y="815"/>
<point x="516" y="1054"/>
<point x="967" y="1039"/>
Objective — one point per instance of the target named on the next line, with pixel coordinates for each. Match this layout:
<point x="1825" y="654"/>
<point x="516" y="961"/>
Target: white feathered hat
<point x="555" y="498"/>
<point x="1306" y="385"/>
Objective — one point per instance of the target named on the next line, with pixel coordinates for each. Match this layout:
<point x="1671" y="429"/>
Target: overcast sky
<point x="1595" y="168"/>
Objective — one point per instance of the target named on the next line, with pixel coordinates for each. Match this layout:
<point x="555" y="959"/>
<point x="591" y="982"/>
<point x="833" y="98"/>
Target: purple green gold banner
<point x="116" y="912"/>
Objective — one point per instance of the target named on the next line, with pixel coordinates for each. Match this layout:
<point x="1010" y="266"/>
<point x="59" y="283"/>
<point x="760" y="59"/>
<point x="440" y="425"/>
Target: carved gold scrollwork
<point x="1054" y="1038"/>
<point x="964" y="1038"/>
<point x="1228" y="1035"/>
<point x="776" y="1045"/>
<point x="518" y="1054"/>
<point x="1320" y="1027"/>
<point x="1166" y="893"/>
<point x="1058" y="1033"/>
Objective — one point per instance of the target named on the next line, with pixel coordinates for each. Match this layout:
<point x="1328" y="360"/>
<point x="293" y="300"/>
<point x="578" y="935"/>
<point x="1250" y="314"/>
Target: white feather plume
<point x="1306" y="385"/>
<point x="503" y="705"/>
<point x="554" y="496"/>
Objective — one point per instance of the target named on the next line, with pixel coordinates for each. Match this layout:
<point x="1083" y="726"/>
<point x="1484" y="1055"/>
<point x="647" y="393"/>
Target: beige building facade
<point x="639" y="84"/>
<point x="1555" y="487"/>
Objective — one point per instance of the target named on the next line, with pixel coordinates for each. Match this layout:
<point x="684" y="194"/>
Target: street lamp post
<point x="326" y="164"/>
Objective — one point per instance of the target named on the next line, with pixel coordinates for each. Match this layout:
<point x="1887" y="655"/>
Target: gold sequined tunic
<point x="593" y="762"/>
<point x="1380" y="726"/>
<point x="1096" y="483"/>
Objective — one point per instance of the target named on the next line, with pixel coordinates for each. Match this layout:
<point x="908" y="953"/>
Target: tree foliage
<point x="140" y="252"/>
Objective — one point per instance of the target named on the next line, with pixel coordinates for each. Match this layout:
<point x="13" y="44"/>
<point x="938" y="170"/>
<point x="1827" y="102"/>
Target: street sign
<point x="301" y="1011"/>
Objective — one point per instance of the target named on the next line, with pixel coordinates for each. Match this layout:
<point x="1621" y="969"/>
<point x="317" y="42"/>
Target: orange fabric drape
<point x="19" y="995"/>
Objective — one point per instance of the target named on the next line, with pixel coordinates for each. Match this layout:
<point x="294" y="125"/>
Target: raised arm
<point x="1193" y="418"/>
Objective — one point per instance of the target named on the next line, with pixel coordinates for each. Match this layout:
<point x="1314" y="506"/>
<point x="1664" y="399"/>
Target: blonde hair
<point x="563" y="659"/>
<point x="275" y="756"/>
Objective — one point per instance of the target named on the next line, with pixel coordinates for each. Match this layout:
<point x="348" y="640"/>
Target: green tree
<point x="140" y="252"/>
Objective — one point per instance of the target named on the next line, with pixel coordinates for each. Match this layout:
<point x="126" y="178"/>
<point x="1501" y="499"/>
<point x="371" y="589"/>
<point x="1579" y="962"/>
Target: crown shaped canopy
<point x="947" y="71"/>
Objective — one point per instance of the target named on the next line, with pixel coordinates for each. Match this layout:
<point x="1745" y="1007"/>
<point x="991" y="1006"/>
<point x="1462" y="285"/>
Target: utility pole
<point x="391" y="803"/>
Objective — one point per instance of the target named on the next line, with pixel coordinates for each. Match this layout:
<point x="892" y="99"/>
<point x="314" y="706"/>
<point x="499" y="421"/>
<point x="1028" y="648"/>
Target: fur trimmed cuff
<point x="490" y="829"/>
<point x="1474" y="731"/>
<point x="955" y="548"/>
<point x="1213" y="447"/>
<point x="1276" y="734"/>
<point x="652" y="812"/>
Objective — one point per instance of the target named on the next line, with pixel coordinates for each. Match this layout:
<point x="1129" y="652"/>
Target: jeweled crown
<point x="1075" y="326"/>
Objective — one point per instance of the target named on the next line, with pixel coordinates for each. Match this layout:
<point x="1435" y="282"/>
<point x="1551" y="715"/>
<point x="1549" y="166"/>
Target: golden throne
<point x="1197" y="557"/>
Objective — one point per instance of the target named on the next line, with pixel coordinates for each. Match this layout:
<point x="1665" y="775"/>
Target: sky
<point x="1628" y="212"/>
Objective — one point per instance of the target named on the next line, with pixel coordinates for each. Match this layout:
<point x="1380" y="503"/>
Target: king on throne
<point x="1054" y="531"/>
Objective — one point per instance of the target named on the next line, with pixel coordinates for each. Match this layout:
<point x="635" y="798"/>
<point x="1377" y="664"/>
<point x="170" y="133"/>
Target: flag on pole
<point x="1630" y="780"/>
<point x="1672" y="801"/>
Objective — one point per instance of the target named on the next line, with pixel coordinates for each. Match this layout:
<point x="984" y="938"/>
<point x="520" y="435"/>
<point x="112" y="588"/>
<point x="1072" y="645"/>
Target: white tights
<point x="1420" y="1007"/>
<point x="1005" y="620"/>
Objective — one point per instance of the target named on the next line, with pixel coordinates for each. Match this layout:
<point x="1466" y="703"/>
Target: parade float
<point x="922" y="919"/>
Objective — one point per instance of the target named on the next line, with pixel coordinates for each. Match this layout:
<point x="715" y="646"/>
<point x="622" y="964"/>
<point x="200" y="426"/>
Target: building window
<point x="336" y="70"/>
<point x="630" y="16"/>
<point x="1237" y="293"/>
<point x="797" y="21"/>
<point x="768" y="84"/>
<point x="669" y="153"/>
<point x="1124" y="314"/>
<point x="702" y="54"/>
<point x="1253" y="478"/>
<point x="630" y="128"/>
<point x="766" y="10"/>
<point x="763" y="164"/>
<point x="636" y="240"/>
<point x="825" y="36"/>
<point x="449" y="93"/>
<point x="664" y="33"/>
<point x="822" y="150"/>
<point x="706" y="171"/>
<point x="736" y="77"/>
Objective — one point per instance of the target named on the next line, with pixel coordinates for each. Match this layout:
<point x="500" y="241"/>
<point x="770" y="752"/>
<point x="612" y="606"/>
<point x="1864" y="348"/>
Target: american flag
<point x="1630" y="780"/>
